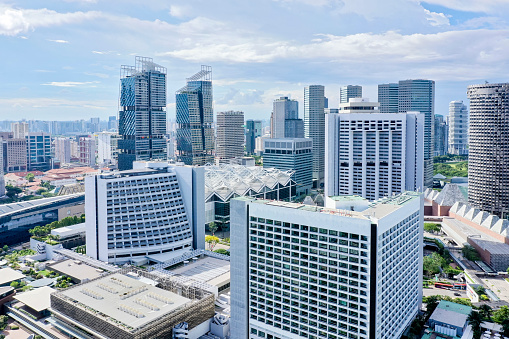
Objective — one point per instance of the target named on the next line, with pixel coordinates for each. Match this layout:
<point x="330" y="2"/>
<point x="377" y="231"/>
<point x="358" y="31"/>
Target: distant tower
<point x="284" y="121"/>
<point x="62" y="150"/>
<point x="19" y="129"/>
<point x="348" y="92"/>
<point x="142" y="116"/>
<point x="458" y="128"/>
<point x="253" y="131"/>
<point x="195" y="135"/>
<point x="314" y="128"/>
<point x="388" y="98"/>
<point x="419" y="95"/>
<point x="488" y="159"/>
<point x="230" y="135"/>
<point x="441" y="132"/>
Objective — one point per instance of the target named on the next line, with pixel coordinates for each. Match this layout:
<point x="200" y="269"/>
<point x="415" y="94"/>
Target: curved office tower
<point x="142" y="115"/>
<point x="151" y="213"/>
<point x="195" y="135"/>
<point x="488" y="165"/>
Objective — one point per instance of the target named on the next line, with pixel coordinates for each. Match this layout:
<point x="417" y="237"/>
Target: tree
<point x="30" y="177"/>
<point x="5" y="248"/>
<point x="475" y="319"/>
<point x="431" y="305"/>
<point x="15" y="284"/>
<point x="433" y="264"/>
<point x="222" y="251"/>
<point x="212" y="241"/>
<point x="213" y="227"/>
<point x="431" y="227"/>
<point x="3" y="322"/>
<point x="485" y="311"/>
<point x="12" y="192"/>
<point x="501" y="315"/>
<point x="470" y="253"/>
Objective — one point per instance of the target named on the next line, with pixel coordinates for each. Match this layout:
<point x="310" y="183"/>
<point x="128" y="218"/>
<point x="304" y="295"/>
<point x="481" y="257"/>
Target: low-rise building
<point x="8" y="275"/>
<point x="450" y="318"/>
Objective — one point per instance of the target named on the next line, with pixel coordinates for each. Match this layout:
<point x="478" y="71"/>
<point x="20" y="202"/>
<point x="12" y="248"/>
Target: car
<point x="457" y="294"/>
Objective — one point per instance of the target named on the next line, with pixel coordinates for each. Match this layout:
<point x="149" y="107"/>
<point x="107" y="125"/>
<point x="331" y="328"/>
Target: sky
<point x="60" y="59"/>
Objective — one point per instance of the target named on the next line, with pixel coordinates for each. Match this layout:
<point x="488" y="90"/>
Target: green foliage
<point x="451" y="170"/>
<point x="14" y="327"/>
<point x="3" y="322"/>
<point x="475" y="319"/>
<point x="213" y="227"/>
<point x="47" y="185"/>
<point x="30" y="177"/>
<point x="431" y="227"/>
<point x="470" y="253"/>
<point x="501" y="315"/>
<point x="15" y="284"/>
<point x="5" y="248"/>
<point x="12" y="192"/>
<point x="222" y="251"/>
<point x="212" y="241"/>
<point x="81" y="249"/>
<point x="433" y="263"/>
<point x="449" y="157"/>
<point x="41" y="233"/>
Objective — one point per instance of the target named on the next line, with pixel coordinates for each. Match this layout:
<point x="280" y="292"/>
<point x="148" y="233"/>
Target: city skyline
<point x="55" y="71"/>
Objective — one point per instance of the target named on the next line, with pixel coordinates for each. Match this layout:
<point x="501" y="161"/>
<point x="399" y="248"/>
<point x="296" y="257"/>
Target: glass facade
<point x="142" y="116"/>
<point x="195" y="135"/>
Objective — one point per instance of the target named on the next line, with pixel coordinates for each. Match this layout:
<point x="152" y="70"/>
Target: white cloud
<point x="437" y="19"/>
<point x="53" y="102"/>
<point x="486" y="6"/>
<point x="69" y="83"/>
<point x="99" y="75"/>
<point x="14" y="21"/>
<point x="59" y="41"/>
<point x="179" y="11"/>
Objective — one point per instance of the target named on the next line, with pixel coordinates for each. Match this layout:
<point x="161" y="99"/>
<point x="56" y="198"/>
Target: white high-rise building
<point x="87" y="149"/>
<point x="20" y="129"/>
<point x="107" y="148"/>
<point x="314" y="128"/>
<point x="348" y="92"/>
<point x="229" y="135"/>
<point x="152" y="213"/>
<point x="62" y="150"/>
<point x="373" y="154"/>
<point x="315" y="272"/>
<point x="458" y="128"/>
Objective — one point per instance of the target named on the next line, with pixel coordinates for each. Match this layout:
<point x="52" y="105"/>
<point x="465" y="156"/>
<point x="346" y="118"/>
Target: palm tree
<point x="505" y="327"/>
<point x="486" y="311"/>
<point x="475" y="319"/>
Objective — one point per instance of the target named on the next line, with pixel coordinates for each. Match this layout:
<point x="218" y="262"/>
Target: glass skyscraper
<point x="142" y="115"/>
<point x="195" y="135"/>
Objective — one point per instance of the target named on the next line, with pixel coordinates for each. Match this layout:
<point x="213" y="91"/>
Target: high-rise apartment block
<point x="253" y="131"/>
<point x="314" y="128"/>
<point x="195" y="135"/>
<point x="19" y="129"/>
<point x="441" y="139"/>
<point x="2" y="179"/>
<point x="373" y="154"/>
<point x="62" y="150"/>
<point x="152" y="213"/>
<point x="230" y="135"/>
<point x="142" y="116"/>
<point x="458" y="128"/>
<point x="15" y="152"/>
<point x="107" y="148"/>
<point x="38" y="151"/>
<point x="348" y="92"/>
<point x="417" y="96"/>
<point x="326" y="272"/>
<point x="488" y="169"/>
<point x="388" y="97"/>
<point x="87" y="148"/>
<point x="294" y="155"/>
<point x="284" y="121"/>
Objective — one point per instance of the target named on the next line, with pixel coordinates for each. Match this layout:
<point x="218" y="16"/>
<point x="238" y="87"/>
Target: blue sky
<point x="60" y="59"/>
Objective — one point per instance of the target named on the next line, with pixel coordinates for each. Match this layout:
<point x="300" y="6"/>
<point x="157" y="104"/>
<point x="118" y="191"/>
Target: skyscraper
<point x="488" y="160"/>
<point x="2" y="179"/>
<point x="388" y="98"/>
<point x="253" y="131"/>
<point x="294" y="154"/>
<point x="314" y="128"/>
<point x="348" y="92"/>
<point x="441" y="132"/>
<point x="419" y="95"/>
<point x="38" y="151"/>
<point x="458" y="128"/>
<point x="142" y="116"/>
<point x="152" y="213"/>
<point x="87" y="147"/>
<point x="62" y="150"/>
<point x="230" y="135"/>
<point x="195" y="135"/>
<point x="315" y="272"/>
<point x="107" y="148"/>
<point x="284" y="120"/>
<point x="373" y="154"/>
<point x="19" y="129"/>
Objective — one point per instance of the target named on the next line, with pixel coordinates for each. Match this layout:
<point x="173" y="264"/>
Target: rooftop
<point x="209" y="270"/>
<point x="347" y="198"/>
<point x="451" y="313"/>
<point x="69" y="231"/>
<point x="37" y="299"/>
<point x="76" y="269"/>
<point x="124" y="299"/>
<point x="8" y="275"/>
<point x="25" y="205"/>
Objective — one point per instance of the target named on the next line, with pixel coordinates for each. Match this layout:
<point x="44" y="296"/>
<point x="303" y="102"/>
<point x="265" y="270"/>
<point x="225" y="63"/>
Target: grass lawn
<point x="44" y="273"/>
